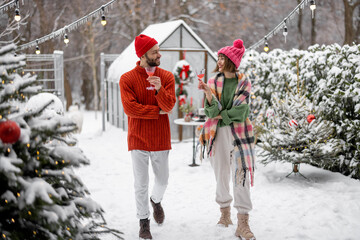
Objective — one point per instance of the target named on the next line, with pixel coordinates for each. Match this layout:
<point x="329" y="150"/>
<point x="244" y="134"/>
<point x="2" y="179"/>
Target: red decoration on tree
<point x="310" y="118"/>
<point x="293" y="123"/>
<point x="9" y="132"/>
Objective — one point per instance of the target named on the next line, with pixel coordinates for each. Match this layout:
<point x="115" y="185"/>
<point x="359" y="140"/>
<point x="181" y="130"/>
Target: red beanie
<point x="235" y="52"/>
<point x="143" y="44"/>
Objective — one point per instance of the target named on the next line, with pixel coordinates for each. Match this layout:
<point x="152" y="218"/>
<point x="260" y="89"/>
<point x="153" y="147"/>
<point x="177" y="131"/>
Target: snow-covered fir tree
<point x="40" y="195"/>
<point x="293" y="132"/>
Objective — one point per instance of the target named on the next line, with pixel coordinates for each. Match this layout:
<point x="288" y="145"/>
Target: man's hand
<point x="155" y="81"/>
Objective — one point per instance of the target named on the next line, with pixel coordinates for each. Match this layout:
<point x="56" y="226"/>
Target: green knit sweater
<point x="229" y="113"/>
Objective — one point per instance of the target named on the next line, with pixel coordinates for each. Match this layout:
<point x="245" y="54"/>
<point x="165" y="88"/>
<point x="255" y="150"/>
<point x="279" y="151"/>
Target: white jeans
<point x="160" y="166"/>
<point x="223" y="163"/>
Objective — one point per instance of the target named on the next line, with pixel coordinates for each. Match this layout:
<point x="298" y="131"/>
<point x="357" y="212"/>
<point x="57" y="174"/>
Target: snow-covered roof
<point x="161" y="32"/>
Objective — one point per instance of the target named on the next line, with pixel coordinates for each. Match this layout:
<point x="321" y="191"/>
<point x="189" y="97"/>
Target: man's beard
<point x="151" y="62"/>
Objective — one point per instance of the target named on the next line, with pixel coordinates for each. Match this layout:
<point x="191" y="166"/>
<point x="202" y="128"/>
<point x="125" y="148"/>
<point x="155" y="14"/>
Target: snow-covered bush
<point x="329" y="76"/>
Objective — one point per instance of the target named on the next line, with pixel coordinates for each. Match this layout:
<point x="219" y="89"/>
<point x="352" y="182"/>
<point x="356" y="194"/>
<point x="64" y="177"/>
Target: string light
<point x="281" y="24"/>
<point x="103" y="20"/>
<point x="312" y="7"/>
<point x="17" y="12"/>
<point x="266" y="48"/>
<point x="66" y="39"/>
<point x="70" y="27"/>
<point x="285" y="32"/>
<point x="37" y="51"/>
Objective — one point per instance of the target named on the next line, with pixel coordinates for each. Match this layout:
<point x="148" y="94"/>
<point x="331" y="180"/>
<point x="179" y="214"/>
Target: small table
<point x="180" y="121"/>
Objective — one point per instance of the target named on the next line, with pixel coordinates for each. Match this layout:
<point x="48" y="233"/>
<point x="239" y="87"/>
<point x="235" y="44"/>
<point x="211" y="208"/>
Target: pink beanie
<point x="235" y="52"/>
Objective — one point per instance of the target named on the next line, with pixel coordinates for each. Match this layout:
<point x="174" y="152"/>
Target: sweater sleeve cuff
<point x="225" y="117"/>
<point x="213" y="102"/>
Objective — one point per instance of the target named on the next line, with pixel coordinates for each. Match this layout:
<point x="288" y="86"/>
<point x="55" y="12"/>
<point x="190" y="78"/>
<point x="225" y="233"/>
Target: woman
<point x="228" y="136"/>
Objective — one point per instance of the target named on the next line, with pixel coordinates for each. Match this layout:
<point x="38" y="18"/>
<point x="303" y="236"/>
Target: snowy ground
<point x="326" y="206"/>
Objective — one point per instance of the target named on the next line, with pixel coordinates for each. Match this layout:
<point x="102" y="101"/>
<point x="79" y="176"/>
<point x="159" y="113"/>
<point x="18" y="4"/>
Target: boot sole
<point x="223" y="225"/>
<point x="145" y="238"/>
<point x="242" y="238"/>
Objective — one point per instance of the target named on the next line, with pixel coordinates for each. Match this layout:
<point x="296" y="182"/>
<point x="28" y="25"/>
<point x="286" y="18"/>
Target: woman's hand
<point x="203" y="86"/>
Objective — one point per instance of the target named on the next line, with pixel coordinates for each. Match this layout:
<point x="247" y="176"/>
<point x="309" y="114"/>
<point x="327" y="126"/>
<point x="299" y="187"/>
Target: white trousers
<point x="160" y="166"/>
<point x="224" y="166"/>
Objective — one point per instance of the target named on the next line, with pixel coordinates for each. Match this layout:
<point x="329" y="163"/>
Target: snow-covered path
<point x="326" y="206"/>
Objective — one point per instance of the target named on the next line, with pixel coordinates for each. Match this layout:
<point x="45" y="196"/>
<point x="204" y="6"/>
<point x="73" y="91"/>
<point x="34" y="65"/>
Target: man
<point x="147" y="101"/>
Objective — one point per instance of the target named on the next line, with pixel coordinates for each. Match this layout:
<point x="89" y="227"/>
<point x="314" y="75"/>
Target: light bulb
<point x="266" y="48"/>
<point x="103" y="20"/>
<point x="285" y="32"/>
<point x="312" y="5"/>
<point x="66" y="39"/>
<point x="17" y="15"/>
<point x="37" y="51"/>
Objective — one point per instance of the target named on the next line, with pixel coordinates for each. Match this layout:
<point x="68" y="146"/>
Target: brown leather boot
<point x="158" y="214"/>
<point x="225" y="218"/>
<point x="243" y="230"/>
<point x="144" y="232"/>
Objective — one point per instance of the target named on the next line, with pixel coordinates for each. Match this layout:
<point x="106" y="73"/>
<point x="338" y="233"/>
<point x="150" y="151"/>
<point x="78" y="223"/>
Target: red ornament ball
<point x="293" y="123"/>
<point x="9" y="132"/>
<point x="310" y="118"/>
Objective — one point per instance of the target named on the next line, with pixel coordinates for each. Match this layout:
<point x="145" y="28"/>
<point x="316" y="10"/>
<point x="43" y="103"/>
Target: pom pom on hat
<point x="143" y="44"/>
<point x="235" y="52"/>
<point x="238" y="43"/>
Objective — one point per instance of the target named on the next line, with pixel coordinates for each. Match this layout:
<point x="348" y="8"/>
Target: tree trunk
<point x="357" y="26"/>
<point x="300" y="35"/>
<point x="67" y="89"/>
<point x="92" y="63"/>
<point x="313" y="29"/>
<point x="348" y="21"/>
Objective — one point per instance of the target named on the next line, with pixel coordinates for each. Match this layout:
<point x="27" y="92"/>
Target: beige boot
<point x="243" y="229"/>
<point x="225" y="218"/>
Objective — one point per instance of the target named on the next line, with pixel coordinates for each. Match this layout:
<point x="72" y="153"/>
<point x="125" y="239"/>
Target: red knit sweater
<point x="147" y="129"/>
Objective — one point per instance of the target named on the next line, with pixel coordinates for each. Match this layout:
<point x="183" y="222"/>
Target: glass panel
<point x="173" y="41"/>
<point x="189" y="41"/>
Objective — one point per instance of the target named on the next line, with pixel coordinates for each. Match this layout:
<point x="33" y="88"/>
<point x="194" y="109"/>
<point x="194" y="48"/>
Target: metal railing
<point x="49" y="69"/>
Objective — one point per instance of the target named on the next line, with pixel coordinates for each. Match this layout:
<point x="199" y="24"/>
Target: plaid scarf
<point x="243" y="137"/>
